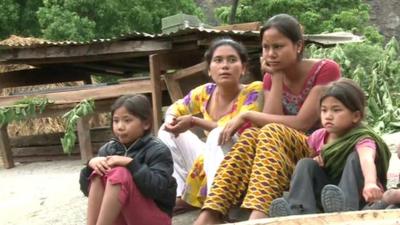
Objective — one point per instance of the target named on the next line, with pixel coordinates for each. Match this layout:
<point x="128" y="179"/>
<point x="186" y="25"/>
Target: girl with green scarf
<point x="349" y="169"/>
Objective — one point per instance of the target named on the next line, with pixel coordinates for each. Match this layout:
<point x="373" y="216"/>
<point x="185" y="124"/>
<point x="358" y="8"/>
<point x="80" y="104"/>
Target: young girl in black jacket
<point x="130" y="181"/>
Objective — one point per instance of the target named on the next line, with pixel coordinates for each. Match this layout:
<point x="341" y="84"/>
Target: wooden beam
<point x="252" y="26"/>
<point x="155" y="78"/>
<point x="72" y="96"/>
<point x="368" y="217"/>
<point x="85" y="143"/>
<point x="5" y="148"/>
<point x="83" y="53"/>
<point x="40" y="76"/>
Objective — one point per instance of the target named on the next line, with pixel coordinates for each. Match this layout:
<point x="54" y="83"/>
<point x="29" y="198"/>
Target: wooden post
<point x="5" y="148"/>
<point x="155" y="78"/>
<point x="85" y="142"/>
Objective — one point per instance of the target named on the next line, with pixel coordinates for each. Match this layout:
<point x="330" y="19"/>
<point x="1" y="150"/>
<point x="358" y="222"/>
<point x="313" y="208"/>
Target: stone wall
<point x="386" y="15"/>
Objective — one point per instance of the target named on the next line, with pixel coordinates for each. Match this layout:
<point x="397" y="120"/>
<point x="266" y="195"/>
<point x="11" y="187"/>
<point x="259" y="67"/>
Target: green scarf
<point x="336" y="153"/>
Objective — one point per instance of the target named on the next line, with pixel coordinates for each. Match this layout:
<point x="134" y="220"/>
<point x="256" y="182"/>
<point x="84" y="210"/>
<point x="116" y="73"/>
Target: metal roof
<point x="323" y="39"/>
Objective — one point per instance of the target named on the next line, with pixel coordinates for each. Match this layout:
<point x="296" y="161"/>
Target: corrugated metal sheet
<point x="324" y="39"/>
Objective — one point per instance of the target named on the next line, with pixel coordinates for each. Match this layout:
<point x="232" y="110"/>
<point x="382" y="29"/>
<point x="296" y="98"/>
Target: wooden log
<point x="5" y="148"/>
<point x="251" y="26"/>
<point x="85" y="143"/>
<point x="83" y="53"/>
<point x="101" y="135"/>
<point x="40" y="76"/>
<point x="369" y="217"/>
<point x="48" y="150"/>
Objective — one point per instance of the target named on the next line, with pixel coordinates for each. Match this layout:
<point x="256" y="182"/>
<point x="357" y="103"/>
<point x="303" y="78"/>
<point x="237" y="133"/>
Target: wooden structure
<point x="370" y="217"/>
<point x="180" y="52"/>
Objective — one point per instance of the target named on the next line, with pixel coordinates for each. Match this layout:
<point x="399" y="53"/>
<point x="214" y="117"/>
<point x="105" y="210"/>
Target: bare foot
<point x="181" y="206"/>
<point x="255" y="214"/>
<point x="208" y="217"/>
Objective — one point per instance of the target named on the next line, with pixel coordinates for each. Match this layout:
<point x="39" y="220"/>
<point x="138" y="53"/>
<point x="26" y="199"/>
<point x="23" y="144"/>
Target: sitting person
<point x="130" y="181"/>
<point x="351" y="163"/>
<point x="258" y="167"/>
<point x="217" y="103"/>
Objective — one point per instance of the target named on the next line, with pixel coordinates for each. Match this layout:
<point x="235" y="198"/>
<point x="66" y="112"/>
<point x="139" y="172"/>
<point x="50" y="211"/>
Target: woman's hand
<point x="230" y="129"/>
<point x="372" y="192"/>
<point x="117" y="160"/>
<point x="319" y="160"/>
<point x="99" y="165"/>
<point x="266" y="68"/>
<point x="179" y="125"/>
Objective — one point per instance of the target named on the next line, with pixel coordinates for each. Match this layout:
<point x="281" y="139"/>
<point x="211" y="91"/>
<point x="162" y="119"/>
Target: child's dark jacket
<point x="151" y="169"/>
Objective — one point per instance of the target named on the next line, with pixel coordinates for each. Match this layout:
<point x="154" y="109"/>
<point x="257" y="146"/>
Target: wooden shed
<point x="146" y="63"/>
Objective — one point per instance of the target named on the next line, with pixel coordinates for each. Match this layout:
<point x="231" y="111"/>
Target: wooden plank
<point x="96" y="93"/>
<point x="251" y="26"/>
<point x="189" y="71"/>
<point x="369" y="217"/>
<point x="5" y="148"/>
<point x="48" y="150"/>
<point x="85" y="143"/>
<point x="174" y="90"/>
<point x="40" y="76"/>
<point x="82" y="53"/>
<point x="101" y="135"/>
<point x="172" y="79"/>
<point x="155" y="78"/>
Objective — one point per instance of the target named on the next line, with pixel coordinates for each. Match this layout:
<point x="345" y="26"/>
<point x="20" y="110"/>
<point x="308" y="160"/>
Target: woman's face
<point x="226" y="66"/>
<point x="278" y="51"/>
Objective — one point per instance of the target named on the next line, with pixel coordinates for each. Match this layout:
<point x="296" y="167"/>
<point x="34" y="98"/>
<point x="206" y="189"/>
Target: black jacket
<point x="151" y="169"/>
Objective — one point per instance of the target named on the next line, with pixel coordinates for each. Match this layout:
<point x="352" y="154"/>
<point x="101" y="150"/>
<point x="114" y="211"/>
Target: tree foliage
<point x="316" y="16"/>
<point x="88" y="19"/>
<point x="82" y="20"/>
<point x="19" y="17"/>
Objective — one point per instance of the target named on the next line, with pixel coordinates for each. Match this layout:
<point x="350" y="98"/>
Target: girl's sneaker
<point x="332" y="199"/>
<point x="279" y="207"/>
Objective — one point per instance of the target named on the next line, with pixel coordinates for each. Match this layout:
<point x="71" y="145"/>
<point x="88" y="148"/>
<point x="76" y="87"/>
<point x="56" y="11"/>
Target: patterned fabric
<point x="257" y="169"/>
<point x="250" y="98"/>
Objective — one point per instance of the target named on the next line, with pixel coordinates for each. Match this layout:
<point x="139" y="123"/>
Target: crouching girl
<point x="351" y="163"/>
<point x="130" y="181"/>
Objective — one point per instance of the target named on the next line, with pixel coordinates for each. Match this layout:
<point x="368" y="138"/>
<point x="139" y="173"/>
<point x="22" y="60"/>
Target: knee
<point x="273" y="127"/>
<point x="353" y="159"/>
<point x="119" y="174"/>
<point x="306" y="164"/>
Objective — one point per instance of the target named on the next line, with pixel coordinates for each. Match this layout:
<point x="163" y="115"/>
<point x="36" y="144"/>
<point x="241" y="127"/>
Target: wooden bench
<point x="64" y="100"/>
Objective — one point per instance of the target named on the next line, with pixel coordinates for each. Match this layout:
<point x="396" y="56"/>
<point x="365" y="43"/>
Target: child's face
<point x="336" y="118"/>
<point x="127" y="127"/>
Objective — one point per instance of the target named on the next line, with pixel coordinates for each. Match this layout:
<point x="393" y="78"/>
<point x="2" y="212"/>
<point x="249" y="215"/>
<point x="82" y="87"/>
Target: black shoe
<point x="332" y="199"/>
<point x="279" y="207"/>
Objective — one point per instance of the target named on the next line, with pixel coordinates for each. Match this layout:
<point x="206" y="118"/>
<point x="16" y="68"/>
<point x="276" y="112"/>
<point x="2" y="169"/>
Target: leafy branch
<point x="23" y="109"/>
<point x="71" y="118"/>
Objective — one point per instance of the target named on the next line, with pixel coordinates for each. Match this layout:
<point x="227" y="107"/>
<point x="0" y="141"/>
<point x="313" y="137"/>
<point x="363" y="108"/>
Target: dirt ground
<point x="48" y="192"/>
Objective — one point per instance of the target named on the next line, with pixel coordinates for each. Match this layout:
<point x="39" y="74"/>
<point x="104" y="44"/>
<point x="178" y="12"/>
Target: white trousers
<point x="187" y="147"/>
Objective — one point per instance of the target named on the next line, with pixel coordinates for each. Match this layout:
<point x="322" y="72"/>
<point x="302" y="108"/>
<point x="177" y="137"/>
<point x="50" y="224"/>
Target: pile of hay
<point x="41" y="125"/>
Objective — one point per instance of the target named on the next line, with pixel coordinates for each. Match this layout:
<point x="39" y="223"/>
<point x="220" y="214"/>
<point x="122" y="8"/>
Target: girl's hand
<point x="230" y="129"/>
<point x="179" y="125"/>
<point x="372" y="192"/>
<point x="117" y="160"/>
<point x="99" y="165"/>
<point x="319" y="160"/>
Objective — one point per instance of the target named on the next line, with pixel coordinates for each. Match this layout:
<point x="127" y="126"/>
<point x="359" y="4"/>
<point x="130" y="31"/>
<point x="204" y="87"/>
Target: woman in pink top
<point x="258" y="167"/>
<point x="349" y="169"/>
